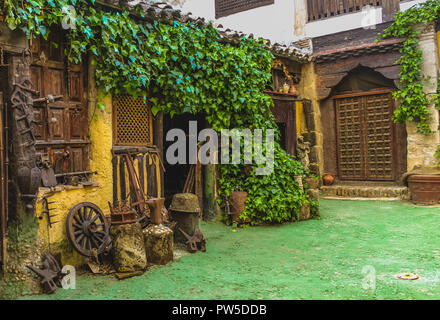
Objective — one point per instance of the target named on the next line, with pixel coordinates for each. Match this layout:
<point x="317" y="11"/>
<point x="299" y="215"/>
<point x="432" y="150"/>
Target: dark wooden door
<point x="365" y="137"/>
<point x="284" y="112"/>
<point x="62" y="125"/>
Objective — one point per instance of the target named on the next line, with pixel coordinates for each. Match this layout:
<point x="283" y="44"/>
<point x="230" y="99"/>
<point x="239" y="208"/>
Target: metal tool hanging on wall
<point x="48" y="177"/>
<point x="46" y="210"/>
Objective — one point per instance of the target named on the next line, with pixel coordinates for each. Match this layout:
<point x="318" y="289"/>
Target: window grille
<point x="133" y="121"/>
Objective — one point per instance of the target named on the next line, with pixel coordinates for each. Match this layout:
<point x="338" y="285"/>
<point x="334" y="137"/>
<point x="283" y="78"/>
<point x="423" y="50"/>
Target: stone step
<point x="365" y="192"/>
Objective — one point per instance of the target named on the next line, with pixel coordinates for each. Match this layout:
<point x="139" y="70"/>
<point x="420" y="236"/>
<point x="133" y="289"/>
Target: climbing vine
<point x="413" y="101"/>
<point x="182" y="68"/>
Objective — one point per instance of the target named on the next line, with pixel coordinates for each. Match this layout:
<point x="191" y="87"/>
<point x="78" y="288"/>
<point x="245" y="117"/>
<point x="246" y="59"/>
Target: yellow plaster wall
<point x="54" y="239"/>
<point x="300" y="119"/>
<point x="438" y="42"/>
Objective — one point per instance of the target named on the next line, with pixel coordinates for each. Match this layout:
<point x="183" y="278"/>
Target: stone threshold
<point x="364" y="191"/>
<point x="360" y="198"/>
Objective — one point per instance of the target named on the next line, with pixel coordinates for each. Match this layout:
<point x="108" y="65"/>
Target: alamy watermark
<point x="371" y="16"/>
<point x="69" y="20"/>
<point x="255" y="151"/>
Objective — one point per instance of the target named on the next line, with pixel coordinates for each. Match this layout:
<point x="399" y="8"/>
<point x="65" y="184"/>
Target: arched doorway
<point x="367" y="141"/>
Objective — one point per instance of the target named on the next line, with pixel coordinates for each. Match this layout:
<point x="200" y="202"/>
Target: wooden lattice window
<point x="227" y="7"/>
<point x="132" y="121"/>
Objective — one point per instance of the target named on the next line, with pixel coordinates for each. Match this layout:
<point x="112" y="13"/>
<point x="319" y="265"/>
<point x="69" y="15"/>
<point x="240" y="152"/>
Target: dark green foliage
<point x="183" y="68"/>
<point x="413" y="101"/>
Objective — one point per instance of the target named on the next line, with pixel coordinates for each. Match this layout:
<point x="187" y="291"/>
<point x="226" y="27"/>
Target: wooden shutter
<point x="227" y="7"/>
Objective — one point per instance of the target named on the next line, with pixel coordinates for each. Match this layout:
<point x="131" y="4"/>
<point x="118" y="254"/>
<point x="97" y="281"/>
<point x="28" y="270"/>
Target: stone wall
<point x="421" y="148"/>
<point x="312" y="114"/>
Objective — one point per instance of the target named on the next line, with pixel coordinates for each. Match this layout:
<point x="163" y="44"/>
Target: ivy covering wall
<point x="413" y="101"/>
<point x="183" y="68"/>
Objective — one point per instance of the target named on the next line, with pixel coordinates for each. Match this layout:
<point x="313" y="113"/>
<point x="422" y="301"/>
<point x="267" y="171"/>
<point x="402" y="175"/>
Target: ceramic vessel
<point x="328" y="179"/>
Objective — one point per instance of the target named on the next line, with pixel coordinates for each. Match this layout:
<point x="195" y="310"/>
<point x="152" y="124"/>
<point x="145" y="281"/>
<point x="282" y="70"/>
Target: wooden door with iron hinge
<point x="365" y="136"/>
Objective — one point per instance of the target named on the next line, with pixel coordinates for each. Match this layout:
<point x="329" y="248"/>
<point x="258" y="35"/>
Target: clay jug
<point x="292" y="90"/>
<point x="328" y="179"/>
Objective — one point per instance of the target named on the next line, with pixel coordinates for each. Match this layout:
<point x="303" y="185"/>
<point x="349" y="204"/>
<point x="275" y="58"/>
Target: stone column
<point x="312" y="115"/>
<point x="421" y="148"/>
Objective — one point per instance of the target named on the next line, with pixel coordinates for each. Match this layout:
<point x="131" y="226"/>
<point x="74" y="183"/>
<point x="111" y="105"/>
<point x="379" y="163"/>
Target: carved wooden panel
<point x="76" y="159"/>
<point x="39" y="126"/>
<point x="76" y="120"/>
<point x="379" y="135"/>
<point x="57" y="120"/>
<point x="53" y="81"/>
<point x="227" y="7"/>
<point x="365" y="137"/>
<point x="348" y="112"/>
<point x="75" y="86"/>
<point x="62" y="126"/>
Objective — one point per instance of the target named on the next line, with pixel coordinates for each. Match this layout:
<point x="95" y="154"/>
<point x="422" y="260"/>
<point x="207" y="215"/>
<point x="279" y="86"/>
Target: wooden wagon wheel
<point x="87" y="229"/>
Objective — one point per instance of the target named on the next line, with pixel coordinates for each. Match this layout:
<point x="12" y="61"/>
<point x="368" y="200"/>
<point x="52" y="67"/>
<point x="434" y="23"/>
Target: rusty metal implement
<point x="196" y="241"/>
<point x="49" y="274"/>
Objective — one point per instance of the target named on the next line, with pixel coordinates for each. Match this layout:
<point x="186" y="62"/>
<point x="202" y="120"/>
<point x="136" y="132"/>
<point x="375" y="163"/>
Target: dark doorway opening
<point x="175" y="175"/>
<point x="283" y="137"/>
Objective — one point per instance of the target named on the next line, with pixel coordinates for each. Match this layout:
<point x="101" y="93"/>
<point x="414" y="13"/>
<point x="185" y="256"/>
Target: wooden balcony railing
<point x="321" y="9"/>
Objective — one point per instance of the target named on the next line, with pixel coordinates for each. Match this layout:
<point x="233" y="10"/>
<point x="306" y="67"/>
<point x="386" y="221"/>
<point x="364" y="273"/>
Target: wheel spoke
<point x="85" y="214"/>
<point x="76" y="220"/>
<point x="89" y="213"/>
<point x="83" y="242"/>
<point x="78" y="213"/>
<point x="78" y="226"/>
<point x="94" y="242"/>
<point x="95" y="217"/>
<point x="77" y="232"/>
<point x="97" y="238"/>
<point x="80" y="237"/>
<point x="88" y="245"/>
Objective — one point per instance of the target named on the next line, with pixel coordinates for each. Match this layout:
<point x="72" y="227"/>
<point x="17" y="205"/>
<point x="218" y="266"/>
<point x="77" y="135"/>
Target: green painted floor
<point x="317" y="259"/>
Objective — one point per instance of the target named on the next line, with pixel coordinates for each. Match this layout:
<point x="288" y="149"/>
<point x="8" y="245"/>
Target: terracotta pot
<point x="237" y="201"/>
<point x="425" y="189"/>
<point x="312" y="183"/>
<point x="292" y="90"/>
<point x="328" y="179"/>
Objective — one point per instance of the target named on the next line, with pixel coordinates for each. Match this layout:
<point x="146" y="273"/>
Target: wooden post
<point x="158" y="142"/>
<point x="209" y="208"/>
<point x="209" y="205"/>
